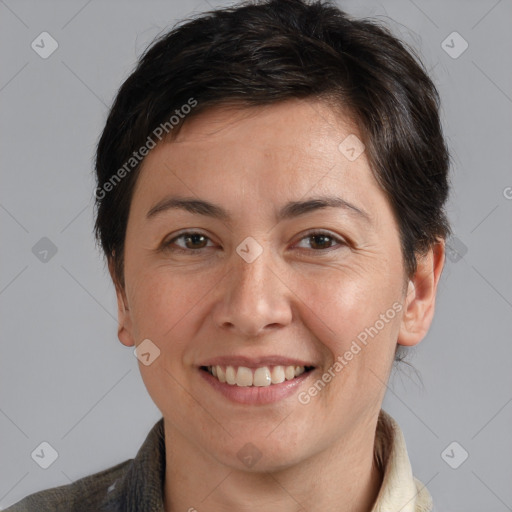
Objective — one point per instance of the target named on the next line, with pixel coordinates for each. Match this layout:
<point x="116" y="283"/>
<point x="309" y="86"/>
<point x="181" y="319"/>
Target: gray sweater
<point x="134" y="485"/>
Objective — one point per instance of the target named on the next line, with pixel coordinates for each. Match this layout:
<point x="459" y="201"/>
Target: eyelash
<point x="167" y="246"/>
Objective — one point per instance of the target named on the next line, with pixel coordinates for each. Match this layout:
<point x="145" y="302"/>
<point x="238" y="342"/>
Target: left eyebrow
<point x="296" y="208"/>
<point x="290" y="210"/>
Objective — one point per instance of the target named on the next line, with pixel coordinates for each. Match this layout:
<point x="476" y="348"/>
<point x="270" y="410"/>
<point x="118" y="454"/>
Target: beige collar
<point x="400" y="491"/>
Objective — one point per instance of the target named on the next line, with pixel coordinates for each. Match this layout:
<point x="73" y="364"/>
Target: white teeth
<point x="289" y="372"/>
<point x="260" y="377"/>
<point x="299" y="370"/>
<point x="278" y="375"/>
<point x="221" y="374"/>
<point x="230" y="375"/>
<point x="243" y="376"/>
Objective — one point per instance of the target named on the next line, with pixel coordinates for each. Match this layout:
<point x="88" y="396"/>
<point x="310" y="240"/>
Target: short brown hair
<point x="259" y="53"/>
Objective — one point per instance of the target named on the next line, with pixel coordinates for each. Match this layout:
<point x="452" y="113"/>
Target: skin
<point x="302" y="297"/>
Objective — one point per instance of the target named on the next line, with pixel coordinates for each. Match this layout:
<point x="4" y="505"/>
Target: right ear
<point x="124" y="328"/>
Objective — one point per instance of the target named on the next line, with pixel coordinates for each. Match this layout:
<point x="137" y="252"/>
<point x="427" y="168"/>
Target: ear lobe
<point x="124" y="328"/>
<point x="421" y="296"/>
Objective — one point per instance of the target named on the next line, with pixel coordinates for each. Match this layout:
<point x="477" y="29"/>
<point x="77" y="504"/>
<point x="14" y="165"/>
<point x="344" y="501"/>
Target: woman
<point x="270" y="201"/>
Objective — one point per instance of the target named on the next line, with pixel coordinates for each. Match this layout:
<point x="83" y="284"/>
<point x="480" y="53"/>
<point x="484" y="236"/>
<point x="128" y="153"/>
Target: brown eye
<point x="189" y="242"/>
<point x="320" y="240"/>
<point x="194" y="241"/>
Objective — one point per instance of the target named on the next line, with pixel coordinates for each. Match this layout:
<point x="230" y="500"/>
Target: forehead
<point x="311" y="125"/>
<point x="289" y="148"/>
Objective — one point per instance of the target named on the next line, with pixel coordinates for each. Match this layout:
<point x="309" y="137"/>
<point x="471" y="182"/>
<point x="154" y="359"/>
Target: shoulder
<point x="130" y="485"/>
<point x="85" y="495"/>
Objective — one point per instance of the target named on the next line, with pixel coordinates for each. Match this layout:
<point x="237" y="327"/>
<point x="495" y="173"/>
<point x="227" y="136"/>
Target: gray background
<point x="64" y="377"/>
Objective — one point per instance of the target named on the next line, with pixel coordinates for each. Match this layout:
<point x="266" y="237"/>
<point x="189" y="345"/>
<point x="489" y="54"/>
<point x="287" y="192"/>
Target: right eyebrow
<point x="197" y="206"/>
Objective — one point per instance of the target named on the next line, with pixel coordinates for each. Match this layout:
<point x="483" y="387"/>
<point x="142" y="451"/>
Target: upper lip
<point x="255" y="362"/>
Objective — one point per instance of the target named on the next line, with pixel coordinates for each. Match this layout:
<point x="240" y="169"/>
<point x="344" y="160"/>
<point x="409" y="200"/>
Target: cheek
<point x="342" y="306"/>
<point x="162" y="301"/>
<point x="349" y="298"/>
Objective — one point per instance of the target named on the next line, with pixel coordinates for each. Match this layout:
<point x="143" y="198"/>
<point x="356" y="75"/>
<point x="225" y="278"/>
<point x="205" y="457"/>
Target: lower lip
<point x="256" y="395"/>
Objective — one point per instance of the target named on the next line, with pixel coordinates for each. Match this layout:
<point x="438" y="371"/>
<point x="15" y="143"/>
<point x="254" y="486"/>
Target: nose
<point x="253" y="297"/>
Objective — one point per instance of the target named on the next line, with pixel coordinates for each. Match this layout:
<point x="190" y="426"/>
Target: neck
<point x="342" y="477"/>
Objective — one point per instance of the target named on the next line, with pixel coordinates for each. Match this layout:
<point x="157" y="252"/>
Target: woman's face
<point x="263" y="283"/>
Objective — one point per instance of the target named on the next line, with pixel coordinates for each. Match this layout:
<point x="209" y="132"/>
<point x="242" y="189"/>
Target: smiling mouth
<point x="255" y="377"/>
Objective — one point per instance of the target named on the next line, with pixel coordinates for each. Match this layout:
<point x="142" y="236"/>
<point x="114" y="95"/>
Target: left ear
<point x="420" y="300"/>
